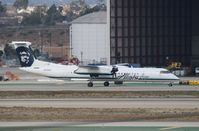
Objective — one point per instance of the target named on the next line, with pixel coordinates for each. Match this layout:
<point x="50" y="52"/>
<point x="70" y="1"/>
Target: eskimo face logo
<point x="25" y="57"/>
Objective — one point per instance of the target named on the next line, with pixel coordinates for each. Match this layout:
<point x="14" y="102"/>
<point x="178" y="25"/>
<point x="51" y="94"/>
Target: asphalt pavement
<point x="57" y="85"/>
<point x="108" y="126"/>
<point x="185" y="103"/>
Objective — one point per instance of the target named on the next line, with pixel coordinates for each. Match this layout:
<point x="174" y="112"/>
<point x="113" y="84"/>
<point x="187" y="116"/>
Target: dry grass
<point x="94" y="114"/>
<point x="93" y="94"/>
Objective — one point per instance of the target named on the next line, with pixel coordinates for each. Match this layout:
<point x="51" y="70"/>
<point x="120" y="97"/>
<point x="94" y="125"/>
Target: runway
<point x="48" y="85"/>
<point x="185" y="103"/>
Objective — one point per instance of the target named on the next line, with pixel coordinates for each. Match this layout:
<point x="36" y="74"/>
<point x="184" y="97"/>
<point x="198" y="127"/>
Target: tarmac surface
<point x="109" y="126"/>
<point x="184" y="103"/>
<point x="56" y="85"/>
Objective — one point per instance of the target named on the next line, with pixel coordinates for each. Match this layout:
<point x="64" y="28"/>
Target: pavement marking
<point x="169" y="128"/>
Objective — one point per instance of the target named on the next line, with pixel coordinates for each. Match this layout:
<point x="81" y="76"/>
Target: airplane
<point x="117" y="73"/>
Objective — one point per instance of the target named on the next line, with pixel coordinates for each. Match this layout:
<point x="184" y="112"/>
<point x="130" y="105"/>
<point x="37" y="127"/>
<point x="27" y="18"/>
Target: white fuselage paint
<point x="124" y="72"/>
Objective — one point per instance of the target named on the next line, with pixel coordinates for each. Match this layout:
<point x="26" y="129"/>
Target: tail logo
<point x="25" y="56"/>
<point x="26" y="59"/>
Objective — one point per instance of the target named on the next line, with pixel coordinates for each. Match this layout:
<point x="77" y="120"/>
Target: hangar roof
<point x="92" y="18"/>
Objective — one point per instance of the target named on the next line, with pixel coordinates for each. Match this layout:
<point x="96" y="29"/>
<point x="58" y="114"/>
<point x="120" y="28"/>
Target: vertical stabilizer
<point x="24" y="53"/>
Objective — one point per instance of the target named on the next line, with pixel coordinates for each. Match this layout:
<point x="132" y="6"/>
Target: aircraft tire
<point x="170" y="84"/>
<point x="106" y="83"/>
<point x="90" y="84"/>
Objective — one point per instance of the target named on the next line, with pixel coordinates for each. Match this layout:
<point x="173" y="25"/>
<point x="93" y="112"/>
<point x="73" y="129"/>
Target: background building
<point x="152" y="32"/>
<point x="89" y="40"/>
<point x="195" y="34"/>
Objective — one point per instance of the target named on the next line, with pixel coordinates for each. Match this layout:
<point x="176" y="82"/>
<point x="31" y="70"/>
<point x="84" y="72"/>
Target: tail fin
<point x="24" y="53"/>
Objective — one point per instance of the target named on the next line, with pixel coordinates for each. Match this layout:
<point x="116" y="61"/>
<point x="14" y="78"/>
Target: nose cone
<point x="174" y="77"/>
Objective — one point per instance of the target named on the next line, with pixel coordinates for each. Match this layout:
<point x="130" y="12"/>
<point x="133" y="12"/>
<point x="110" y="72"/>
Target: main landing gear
<point x="106" y="83"/>
<point x="170" y="84"/>
<point x="90" y="84"/>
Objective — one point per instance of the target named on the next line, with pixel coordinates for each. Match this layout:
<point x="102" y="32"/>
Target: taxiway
<point x="185" y="103"/>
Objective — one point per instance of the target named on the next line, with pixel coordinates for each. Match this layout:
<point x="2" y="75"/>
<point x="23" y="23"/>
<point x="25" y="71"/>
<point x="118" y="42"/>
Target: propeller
<point x="114" y="70"/>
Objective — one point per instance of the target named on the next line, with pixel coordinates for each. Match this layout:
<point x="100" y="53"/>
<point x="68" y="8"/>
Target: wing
<point x="94" y="70"/>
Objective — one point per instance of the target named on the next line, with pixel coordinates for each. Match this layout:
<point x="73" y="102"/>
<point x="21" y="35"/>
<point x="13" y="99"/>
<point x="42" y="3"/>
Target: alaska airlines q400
<point x="117" y="73"/>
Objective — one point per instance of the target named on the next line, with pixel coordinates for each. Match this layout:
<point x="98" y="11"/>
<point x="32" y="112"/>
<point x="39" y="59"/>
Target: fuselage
<point x="124" y="72"/>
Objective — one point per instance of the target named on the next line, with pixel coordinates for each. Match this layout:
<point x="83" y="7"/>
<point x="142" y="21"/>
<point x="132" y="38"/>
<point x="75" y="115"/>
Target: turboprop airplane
<point x="117" y="73"/>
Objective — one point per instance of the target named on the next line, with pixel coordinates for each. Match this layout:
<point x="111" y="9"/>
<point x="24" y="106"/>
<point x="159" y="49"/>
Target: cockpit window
<point x="165" y="72"/>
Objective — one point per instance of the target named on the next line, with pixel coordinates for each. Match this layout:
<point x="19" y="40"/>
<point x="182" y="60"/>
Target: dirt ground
<point x="93" y="94"/>
<point x="93" y="114"/>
